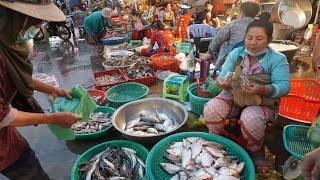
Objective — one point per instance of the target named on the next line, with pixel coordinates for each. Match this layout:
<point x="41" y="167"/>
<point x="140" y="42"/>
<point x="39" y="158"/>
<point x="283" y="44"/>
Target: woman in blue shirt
<point x="255" y="58"/>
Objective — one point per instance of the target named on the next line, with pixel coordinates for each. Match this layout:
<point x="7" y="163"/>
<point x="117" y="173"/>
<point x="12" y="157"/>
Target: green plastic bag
<point x="81" y="104"/>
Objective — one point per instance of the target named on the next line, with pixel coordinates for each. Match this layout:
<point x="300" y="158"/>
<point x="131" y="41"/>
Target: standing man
<point x="208" y="16"/>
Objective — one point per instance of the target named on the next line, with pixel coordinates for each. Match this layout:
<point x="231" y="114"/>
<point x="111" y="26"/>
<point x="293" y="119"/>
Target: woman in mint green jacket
<point x="256" y="58"/>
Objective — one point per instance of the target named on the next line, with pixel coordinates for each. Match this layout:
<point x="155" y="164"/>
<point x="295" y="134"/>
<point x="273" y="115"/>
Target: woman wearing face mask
<point x="255" y="58"/>
<point x="17" y="159"/>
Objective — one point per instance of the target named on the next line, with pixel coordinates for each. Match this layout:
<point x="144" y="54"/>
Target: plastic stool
<point x="175" y="86"/>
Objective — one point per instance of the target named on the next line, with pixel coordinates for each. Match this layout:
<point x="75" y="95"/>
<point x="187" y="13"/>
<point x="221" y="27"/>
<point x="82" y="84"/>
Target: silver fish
<point x="225" y="177"/>
<point x="196" y="148"/>
<point x="215" y="152"/>
<point x="222" y="162"/>
<point x="173" y="159"/>
<point x="186" y="157"/>
<point x="152" y="130"/>
<point x="170" y="168"/>
<point x="93" y="167"/>
<point x="206" y="159"/>
<point x="132" y="123"/>
<point x="162" y="116"/>
<point x="200" y="174"/>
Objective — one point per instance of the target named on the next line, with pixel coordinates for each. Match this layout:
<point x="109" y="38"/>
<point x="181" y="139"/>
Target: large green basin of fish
<point x="158" y="152"/>
<point x="142" y="153"/>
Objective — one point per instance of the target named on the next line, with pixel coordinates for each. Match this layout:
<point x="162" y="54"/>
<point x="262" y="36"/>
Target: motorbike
<point x="59" y="29"/>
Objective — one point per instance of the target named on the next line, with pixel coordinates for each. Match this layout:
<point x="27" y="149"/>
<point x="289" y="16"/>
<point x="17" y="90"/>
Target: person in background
<point x="231" y="34"/>
<point x="310" y="166"/>
<point x="95" y="24"/>
<point x="17" y="159"/>
<point x="138" y="25"/>
<point x="161" y="37"/>
<point x="256" y="58"/>
<point x="117" y="6"/>
<point x="208" y="16"/>
<point x="81" y="5"/>
<point x="150" y="12"/>
<point x="168" y="17"/>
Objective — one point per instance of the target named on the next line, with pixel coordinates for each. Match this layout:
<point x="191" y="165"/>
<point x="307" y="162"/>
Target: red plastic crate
<point x="171" y="64"/>
<point x="110" y="72"/>
<point x="302" y="104"/>
<point x="148" y="81"/>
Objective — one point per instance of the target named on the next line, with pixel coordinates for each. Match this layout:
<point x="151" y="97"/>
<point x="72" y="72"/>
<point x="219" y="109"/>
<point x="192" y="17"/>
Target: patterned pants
<point x="253" y="119"/>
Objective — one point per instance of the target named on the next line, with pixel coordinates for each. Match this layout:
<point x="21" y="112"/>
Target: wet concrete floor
<point x="57" y="157"/>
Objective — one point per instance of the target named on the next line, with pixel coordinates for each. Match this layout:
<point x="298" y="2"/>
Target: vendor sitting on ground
<point x="231" y="34"/>
<point x="255" y="58"/>
<point x="167" y="16"/>
<point x="208" y="16"/>
<point x="138" y="25"/>
<point x="161" y="37"/>
<point x="95" y="25"/>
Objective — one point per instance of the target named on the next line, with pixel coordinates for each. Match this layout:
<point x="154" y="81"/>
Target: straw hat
<point x="40" y="9"/>
<point x="106" y="12"/>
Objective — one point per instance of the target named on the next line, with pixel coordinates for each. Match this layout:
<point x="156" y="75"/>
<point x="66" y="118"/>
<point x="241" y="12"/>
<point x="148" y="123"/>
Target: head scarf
<point x="19" y="67"/>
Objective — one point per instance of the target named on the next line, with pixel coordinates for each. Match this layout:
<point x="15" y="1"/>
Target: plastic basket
<point x="197" y="103"/>
<point x="171" y="64"/>
<point x="110" y="72"/>
<point x="148" y="81"/>
<point x="295" y="140"/>
<point x="99" y="133"/>
<point x="126" y="92"/>
<point x="142" y="153"/>
<point x="157" y="153"/>
<point x="113" y="40"/>
<point x="302" y="104"/>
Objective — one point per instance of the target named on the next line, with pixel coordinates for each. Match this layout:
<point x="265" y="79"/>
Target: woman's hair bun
<point x="265" y="16"/>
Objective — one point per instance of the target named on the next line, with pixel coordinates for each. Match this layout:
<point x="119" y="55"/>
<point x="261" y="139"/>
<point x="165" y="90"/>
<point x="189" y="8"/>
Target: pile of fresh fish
<point x="114" y="164"/>
<point x="150" y="124"/>
<point x="165" y="57"/>
<point x="98" y="121"/>
<point x="108" y="79"/>
<point x="123" y="61"/>
<point x="196" y="158"/>
<point x="114" y="34"/>
<point x="138" y="71"/>
<point x="124" y="46"/>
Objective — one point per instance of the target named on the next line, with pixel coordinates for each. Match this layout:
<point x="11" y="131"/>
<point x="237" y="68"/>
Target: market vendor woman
<point x="255" y="58"/>
<point x="95" y="23"/>
<point x="17" y="159"/>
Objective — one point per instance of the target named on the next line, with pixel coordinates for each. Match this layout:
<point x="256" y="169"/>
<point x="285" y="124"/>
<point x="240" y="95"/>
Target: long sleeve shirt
<point x="12" y="143"/>
<point x="95" y="23"/>
<point x="274" y="64"/>
<point x="227" y="37"/>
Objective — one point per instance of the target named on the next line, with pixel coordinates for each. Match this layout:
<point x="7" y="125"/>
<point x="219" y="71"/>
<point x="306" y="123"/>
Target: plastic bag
<point x="81" y="104"/>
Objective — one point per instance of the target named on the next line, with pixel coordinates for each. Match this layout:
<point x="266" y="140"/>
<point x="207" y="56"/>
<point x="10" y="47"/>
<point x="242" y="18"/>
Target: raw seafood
<point x="138" y="71"/>
<point x="113" y="163"/>
<point x="196" y="158"/>
<point x="98" y="121"/>
<point x="122" y="61"/>
<point x="150" y="124"/>
<point x="108" y="79"/>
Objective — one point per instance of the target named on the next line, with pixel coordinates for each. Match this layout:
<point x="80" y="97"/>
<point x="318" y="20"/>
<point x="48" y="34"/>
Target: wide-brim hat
<point x="40" y="9"/>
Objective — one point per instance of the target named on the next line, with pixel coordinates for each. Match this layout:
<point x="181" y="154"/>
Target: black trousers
<point x="27" y="167"/>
